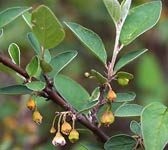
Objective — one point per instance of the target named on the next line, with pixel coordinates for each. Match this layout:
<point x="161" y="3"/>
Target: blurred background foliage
<point x="18" y="131"/>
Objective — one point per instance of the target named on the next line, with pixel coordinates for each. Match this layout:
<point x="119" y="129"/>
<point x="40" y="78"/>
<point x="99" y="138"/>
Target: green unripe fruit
<point x="123" y="81"/>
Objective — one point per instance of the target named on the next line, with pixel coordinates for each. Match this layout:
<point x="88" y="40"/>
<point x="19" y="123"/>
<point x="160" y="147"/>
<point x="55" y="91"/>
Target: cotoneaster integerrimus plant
<point x="42" y="78"/>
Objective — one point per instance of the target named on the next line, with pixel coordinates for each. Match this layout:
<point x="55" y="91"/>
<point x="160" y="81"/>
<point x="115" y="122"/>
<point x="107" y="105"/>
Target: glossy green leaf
<point x="36" y="85"/>
<point x="129" y="110"/>
<point x="33" y="66"/>
<point x="95" y="94"/>
<point x="90" y="39"/>
<point x="14" y="53"/>
<point x="46" y="27"/>
<point x="47" y="56"/>
<point x="1" y="33"/>
<point x="125" y="97"/>
<point x="34" y="43"/>
<point x="136" y="128"/>
<point x="125" y="7"/>
<point x="128" y="58"/>
<point x="61" y="60"/>
<point x="71" y="91"/>
<point x="114" y="9"/>
<point x="88" y="106"/>
<point x="15" y="90"/>
<point x="45" y="66"/>
<point x="139" y="20"/>
<point x="11" y="14"/>
<point x="154" y="122"/>
<point x="120" y="142"/>
<point x="123" y="74"/>
<point x="27" y="17"/>
<point x="90" y="146"/>
<point x="100" y="78"/>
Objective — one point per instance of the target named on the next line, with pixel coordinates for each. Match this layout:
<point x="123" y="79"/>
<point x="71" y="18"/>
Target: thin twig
<point x="56" y="98"/>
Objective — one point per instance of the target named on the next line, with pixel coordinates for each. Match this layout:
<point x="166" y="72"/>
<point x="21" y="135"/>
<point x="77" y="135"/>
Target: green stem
<point x="59" y="122"/>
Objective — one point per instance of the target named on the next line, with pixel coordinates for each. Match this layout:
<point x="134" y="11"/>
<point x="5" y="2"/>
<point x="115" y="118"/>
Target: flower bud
<point x="87" y="74"/>
<point x="58" y="140"/>
<point x="111" y="95"/>
<point x="107" y="118"/>
<point x="37" y="118"/>
<point x="123" y="81"/>
<point x="52" y="130"/>
<point x="31" y="104"/>
<point x="66" y="128"/>
<point x="73" y="136"/>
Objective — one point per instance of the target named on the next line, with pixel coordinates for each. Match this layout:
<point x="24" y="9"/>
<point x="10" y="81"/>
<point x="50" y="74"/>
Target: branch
<point x="53" y="95"/>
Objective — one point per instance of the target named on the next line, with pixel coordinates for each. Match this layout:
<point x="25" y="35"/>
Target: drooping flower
<point x="66" y="128"/>
<point x="37" y="118"/>
<point x="52" y="130"/>
<point x="73" y="136"/>
<point x="31" y="104"/>
<point x="58" y="140"/>
<point x="107" y="118"/>
<point x="111" y="95"/>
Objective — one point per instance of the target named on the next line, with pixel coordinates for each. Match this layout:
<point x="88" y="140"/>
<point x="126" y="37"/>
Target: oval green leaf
<point x="88" y="106"/>
<point x="11" y="14"/>
<point x="33" y="66"/>
<point x="95" y="94"/>
<point x="14" y="53"/>
<point x="120" y="142"/>
<point x="128" y="58"/>
<point x="128" y="110"/>
<point x="91" y="146"/>
<point x="154" y="122"/>
<point x="46" y="27"/>
<point x="27" y="18"/>
<point x="136" y="128"/>
<point x="1" y="33"/>
<point x="125" y="97"/>
<point x="36" y="85"/>
<point x="123" y="74"/>
<point x="61" y="60"/>
<point x="100" y="78"/>
<point x="114" y="9"/>
<point x="34" y="43"/>
<point x="71" y="91"/>
<point x="90" y="39"/>
<point x="45" y="66"/>
<point x="15" y="90"/>
<point x="125" y="7"/>
<point x="139" y="20"/>
<point x="47" y="56"/>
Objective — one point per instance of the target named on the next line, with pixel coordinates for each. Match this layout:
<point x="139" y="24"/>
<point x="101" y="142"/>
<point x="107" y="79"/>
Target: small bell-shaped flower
<point x="66" y="128"/>
<point x="31" y="104"/>
<point x="52" y="130"/>
<point x="111" y="95"/>
<point x="37" y="118"/>
<point x="58" y="140"/>
<point x="73" y="136"/>
<point x="107" y="118"/>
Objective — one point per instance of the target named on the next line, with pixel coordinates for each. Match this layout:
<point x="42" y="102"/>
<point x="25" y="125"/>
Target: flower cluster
<point x="107" y="118"/>
<point x="64" y="128"/>
<point x="31" y="105"/>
